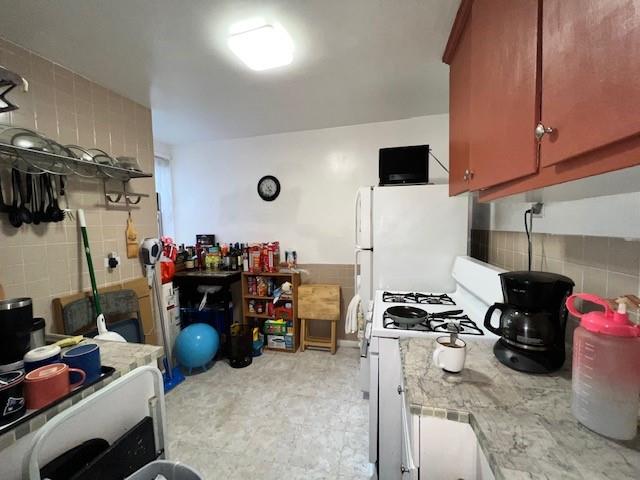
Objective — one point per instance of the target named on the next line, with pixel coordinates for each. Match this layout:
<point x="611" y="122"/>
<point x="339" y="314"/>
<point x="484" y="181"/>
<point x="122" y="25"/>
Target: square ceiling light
<point x="261" y="46"/>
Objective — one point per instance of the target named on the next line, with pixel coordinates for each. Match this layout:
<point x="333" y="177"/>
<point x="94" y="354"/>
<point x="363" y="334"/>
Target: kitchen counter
<point x="523" y="422"/>
<point x="124" y="357"/>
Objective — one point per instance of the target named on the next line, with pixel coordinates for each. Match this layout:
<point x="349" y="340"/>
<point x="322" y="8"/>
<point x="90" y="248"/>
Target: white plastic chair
<point x="108" y="413"/>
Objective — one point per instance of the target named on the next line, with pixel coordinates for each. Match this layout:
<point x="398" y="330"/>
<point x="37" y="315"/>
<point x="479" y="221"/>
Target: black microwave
<point x="404" y="165"/>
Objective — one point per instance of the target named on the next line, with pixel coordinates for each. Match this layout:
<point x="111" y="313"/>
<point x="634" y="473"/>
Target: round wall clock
<point x="268" y="188"/>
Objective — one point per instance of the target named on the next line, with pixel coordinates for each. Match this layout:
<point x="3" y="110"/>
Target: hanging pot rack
<point x="38" y="162"/>
<point x="49" y="157"/>
<point x="35" y="162"/>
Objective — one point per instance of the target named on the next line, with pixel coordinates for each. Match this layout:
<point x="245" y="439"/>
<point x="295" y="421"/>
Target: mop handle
<point x="87" y="251"/>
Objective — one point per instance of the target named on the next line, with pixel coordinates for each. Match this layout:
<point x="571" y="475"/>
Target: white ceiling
<point x="356" y="61"/>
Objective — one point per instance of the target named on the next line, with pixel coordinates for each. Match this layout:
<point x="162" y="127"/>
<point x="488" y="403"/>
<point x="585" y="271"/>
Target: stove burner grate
<point x="418" y="298"/>
<point x="438" y="323"/>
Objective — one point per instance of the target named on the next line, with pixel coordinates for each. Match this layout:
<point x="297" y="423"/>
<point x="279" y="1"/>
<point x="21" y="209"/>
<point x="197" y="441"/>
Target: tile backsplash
<point x="47" y="261"/>
<point x="606" y="266"/>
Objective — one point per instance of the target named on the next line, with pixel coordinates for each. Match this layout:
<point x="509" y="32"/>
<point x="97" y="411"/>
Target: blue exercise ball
<point x="197" y="345"/>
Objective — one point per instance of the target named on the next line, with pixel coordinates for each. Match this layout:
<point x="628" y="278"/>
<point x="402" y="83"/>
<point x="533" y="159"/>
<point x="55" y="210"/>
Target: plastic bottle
<point x="606" y="370"/>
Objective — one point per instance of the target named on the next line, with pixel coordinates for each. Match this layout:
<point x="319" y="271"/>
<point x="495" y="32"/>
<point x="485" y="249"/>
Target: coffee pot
<point x="532" y="320"/>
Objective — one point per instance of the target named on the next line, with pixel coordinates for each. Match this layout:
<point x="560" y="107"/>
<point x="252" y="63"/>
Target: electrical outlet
<point x="111" y="261"/>
<point x="536" y="209"/>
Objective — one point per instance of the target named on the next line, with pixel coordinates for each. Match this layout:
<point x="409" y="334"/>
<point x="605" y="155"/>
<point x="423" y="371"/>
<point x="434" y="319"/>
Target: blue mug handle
<point x="75" y="376"/>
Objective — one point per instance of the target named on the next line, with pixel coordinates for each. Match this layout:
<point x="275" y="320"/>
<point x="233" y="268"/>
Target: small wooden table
<point x="319" y="302"/>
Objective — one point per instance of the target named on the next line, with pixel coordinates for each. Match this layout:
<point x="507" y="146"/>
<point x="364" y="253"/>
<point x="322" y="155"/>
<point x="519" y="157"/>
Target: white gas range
<point x="446" y="313"/>
<point x="461" y="311"/>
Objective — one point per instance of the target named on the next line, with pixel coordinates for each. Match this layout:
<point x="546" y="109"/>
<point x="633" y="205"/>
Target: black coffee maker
<point x="533" y="321"/>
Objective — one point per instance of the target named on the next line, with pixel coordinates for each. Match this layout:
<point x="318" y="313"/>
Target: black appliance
<point x="404" y="165"/>
<point x="532" y="322"/>
<point x="16" y="320"/>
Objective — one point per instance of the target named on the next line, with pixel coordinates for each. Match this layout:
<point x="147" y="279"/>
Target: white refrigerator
<point x="407" y="238"/>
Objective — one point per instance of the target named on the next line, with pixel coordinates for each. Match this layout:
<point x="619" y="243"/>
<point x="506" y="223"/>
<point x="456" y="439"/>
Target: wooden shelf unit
<point x="250" y="318"/>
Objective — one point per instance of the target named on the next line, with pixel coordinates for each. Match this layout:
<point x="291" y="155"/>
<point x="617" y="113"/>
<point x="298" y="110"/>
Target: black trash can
<point x="241" y="345"/>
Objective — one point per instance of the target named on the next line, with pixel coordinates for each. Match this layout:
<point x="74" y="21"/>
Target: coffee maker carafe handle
<point x="489" y="314"/>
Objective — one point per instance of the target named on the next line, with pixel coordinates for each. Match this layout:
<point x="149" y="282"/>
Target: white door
<point x="418" y="231"/>
<point x="374" y="379"/>
<point x="389" y="410"/>
<point x="450" y="449"/>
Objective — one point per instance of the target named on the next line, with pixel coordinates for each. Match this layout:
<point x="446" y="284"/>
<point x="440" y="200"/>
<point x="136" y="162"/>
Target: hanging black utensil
<point x="14" y="214"/>
<point x="47" y="202"/>
<point x="43" y="199"/>
<point x="35" y="200"/>
<point x="57" y="214"/>
<point x="4" y="208"/>
<point x="25" y="213"/>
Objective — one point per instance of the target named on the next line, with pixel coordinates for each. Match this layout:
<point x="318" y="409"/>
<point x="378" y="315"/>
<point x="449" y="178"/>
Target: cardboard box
<point x="276" y="341"/>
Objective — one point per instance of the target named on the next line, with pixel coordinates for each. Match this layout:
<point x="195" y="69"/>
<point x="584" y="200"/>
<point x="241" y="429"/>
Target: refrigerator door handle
<point x="355" y="270"/>
<point x="357" y="263"/>
<point x="357" y="222"/>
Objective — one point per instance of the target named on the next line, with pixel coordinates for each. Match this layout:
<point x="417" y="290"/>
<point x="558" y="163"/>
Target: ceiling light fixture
<point x="261" y="45"/>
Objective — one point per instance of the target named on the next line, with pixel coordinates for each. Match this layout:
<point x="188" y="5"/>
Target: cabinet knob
<point x="404" y="469"/>
<point x="465" y="177"/>
<point x="400" y="389"/>
<point x="541" y="130"/>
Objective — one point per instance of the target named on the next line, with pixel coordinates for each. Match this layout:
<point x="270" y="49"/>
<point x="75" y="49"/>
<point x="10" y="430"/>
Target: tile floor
<point x="286" y="416"/>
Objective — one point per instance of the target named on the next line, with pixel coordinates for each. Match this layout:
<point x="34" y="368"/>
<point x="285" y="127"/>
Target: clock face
<point x="268" y="188"/>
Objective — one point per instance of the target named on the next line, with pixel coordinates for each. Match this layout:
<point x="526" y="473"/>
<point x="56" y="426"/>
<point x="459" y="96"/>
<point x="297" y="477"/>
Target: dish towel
<point x="351" y="319"/>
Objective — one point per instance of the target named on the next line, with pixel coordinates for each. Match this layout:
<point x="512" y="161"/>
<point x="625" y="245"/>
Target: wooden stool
<point x="319" y="302"/>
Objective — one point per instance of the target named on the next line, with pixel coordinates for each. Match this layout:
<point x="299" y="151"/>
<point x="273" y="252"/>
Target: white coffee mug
<point x="450" y="357"/>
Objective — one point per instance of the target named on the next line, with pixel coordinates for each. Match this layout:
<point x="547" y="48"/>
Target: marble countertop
<point x="124" y="357"/>
<point x="523" y="422"/>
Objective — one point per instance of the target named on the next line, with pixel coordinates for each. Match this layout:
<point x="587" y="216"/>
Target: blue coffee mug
<point x="85" y="357"/>
<point x="41" y="356"/>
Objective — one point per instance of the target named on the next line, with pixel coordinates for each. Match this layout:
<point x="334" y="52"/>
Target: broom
<point x="103" y="333"/>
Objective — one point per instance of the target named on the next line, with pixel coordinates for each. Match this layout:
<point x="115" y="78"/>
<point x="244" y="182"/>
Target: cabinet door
<point x="389" y="410"/>
<point x="448" y="449"/>
<point x="459" y="111"/>
<point x="590" y="71"/>
<point x="504" y="91"/>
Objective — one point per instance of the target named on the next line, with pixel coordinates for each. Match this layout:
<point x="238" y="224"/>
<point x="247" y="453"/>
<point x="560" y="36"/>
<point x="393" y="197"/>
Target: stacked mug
<point x="32" y="379"/>
<point x="52" y="374"/>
